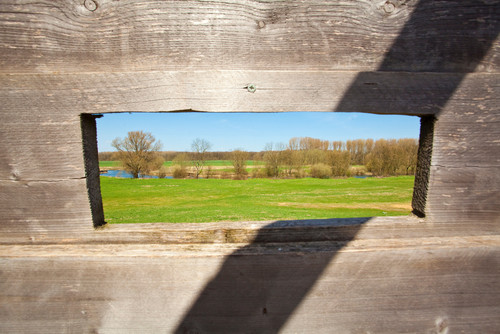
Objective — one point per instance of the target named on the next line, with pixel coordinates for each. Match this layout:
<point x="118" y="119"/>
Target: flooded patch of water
<point x="126" y="175"/>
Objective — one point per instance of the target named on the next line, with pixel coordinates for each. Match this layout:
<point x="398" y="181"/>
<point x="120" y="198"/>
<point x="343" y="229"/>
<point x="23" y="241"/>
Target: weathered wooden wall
<point x="60" y="60"/>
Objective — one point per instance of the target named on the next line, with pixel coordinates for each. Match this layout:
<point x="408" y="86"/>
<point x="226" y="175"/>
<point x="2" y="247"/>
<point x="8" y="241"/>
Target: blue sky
<point x="251" y="131"/>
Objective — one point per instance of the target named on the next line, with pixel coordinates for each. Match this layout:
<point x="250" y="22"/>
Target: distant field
<point x="169" y="163"/>
<point x="213" y="200"/>
<point x="109" y="163"/>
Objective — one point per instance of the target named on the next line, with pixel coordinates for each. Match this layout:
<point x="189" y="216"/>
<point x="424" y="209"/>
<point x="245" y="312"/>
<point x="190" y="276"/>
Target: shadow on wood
<point x="420" y="48"/>
<point x="250" y="295"/>
<point x="260" y="285"/>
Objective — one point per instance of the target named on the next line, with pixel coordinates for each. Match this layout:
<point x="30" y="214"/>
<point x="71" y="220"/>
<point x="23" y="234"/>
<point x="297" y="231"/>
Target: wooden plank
<point x="464" y="182"/>
<point x="105" y="35"/>
<point x="122" y="251"/>
<point x="34" y="210"/>
<point x="39" y="146"/>
<point x="466" y="194"/>
<point x="421" y="289"/>
<point x="226" y="91"/>
<point x="41" y="138"/>
<point x="188" y="235"/>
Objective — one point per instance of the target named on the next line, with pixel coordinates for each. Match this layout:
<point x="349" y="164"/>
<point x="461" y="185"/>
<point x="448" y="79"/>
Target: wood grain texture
<point x="61" y="36"/>
<point x="464" y="184"/>
<point x="376" y="232"/>
<point x="46" y="129"/>
<point x="434" y="58"/>
<point x="148" y="289"/>
<point x="34" y="210"/>
<point x="226" y="91"/>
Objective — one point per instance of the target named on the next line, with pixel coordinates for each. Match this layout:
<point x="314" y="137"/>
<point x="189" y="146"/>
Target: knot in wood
<point x="90" y="5"/>
<point x="389" y="7"/>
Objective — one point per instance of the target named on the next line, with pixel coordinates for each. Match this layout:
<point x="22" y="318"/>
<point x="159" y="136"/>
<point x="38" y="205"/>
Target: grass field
<point x="109" y="164"/>
<point x="213" y="200"/>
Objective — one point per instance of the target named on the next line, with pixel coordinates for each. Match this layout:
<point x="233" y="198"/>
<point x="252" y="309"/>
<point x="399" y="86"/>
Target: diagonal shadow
<point x="257" y="294"/>
<point x="421" y="54"/>
<point x="259" y="285"/>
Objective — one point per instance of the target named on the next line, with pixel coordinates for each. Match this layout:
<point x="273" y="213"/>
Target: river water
<point x="124" y="174"/>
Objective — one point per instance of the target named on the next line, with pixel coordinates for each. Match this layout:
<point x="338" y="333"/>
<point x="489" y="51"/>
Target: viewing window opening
<point x="217" y="167"/>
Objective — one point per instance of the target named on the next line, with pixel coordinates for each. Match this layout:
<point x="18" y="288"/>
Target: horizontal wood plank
<point x="338" y="231"/>
<point x="226" y="91"/>
<point x="34" y="210"/>
<point x="42" y="136"/>
<point x="38" y="149"/>
<point x="359" y="35"/>
<point x="464" y="182"/>
<point x="120" y="288"/>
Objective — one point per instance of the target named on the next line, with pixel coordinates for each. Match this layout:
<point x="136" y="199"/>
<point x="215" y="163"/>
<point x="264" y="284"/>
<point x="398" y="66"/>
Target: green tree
<point x="138" y="152"/>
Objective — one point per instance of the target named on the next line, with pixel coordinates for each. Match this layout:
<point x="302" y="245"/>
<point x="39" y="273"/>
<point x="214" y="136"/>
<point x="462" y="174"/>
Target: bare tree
<point x="239" y="161"/>
<point x="294" y="158"/>
<point x="393" y="157"/>
<point x="179" y="166"/>
<point x="339" y="162"/>
<point x="138" y="152"/>
<point x="199" y="148"/>
<point x="273" y="158"/>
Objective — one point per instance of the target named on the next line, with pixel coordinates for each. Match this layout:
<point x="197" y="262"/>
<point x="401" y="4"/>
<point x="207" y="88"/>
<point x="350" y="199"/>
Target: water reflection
<point x="127" y="175"/>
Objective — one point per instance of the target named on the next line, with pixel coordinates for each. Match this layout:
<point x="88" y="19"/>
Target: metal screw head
<point x="251" y="88"/>
<point x="90" y="5"/>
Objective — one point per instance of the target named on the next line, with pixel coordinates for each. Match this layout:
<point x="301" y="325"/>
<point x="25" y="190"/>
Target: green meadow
<point x="216" y="200"/>
<point x="109" y="164"/>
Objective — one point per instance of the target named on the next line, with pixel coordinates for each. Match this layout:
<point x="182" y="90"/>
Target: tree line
<point x="171" y="155"/>
<point x="140" y="153"/>
<point x="323" y="158"/>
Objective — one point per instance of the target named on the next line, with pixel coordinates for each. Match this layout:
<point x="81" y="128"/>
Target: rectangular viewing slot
<point x="218" y="167"/>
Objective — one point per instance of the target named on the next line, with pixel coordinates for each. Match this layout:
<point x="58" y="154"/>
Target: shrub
<point x="240" y="176"/>
<point x="225" y="175"/>
<point x="162" y="172"/>
<point x="179" y="172"/>
<point x="320" y="171"/>
<point x="339" y="162"/>
<point x="209" y="172"/>
<point x="239" y="161"/>
<point x="299" y="173"/>
<point x="259" y="173"/>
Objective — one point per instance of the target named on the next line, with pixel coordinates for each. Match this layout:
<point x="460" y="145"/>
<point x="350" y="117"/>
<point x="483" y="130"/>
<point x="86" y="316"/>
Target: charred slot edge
<point x="91" y="160"/>
<point x="422" y="174"/>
